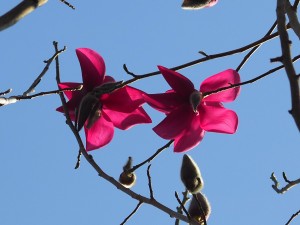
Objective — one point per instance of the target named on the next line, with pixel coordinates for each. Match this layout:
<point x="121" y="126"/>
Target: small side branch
<point x="133" y="212"/>
<point x="39" y="78"/>
<point x="149" y="182"/>
<point x="18" y="12"/>
<point x="284" y="189"/>
<point x="151" y="157"/>
<point x="182" y="205"/>
<point x="293" y="217"/>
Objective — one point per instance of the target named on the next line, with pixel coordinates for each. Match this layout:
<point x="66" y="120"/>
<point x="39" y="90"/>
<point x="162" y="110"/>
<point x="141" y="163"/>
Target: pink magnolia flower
<point x="198" y="4"/>
<point x="121" y="108"/>
<point x="189" y="113"/>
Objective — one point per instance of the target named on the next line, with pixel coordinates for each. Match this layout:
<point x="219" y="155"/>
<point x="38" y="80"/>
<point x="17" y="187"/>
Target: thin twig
<point x="151" y="157"/>
<point x="184" y="201"/>
<point x="149" y="182"/>
<point x="182" y="205"/>
<point x="68" y="4"/>
<point x="14" y="99"/>
<point x="6" y="92"/>
<point x="201" y="208"/>
<point x="284" y="189"/>
<point x="195" y="62"/>
<point x="293" y="217"/>
<point x="133" y="212"/>
<point x="287" y="62"/>
<point x="248" y="81"/>
<point x="39" y="78"/>
<point x="18" y="12"/>
<point x="245" y="59"/>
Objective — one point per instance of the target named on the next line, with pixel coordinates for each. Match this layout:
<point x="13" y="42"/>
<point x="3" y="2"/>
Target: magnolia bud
<point x="190" y="175"/>
<point x="198" y="4"/>
<point x="127" y="179"/>
<point x="196" y="212"/>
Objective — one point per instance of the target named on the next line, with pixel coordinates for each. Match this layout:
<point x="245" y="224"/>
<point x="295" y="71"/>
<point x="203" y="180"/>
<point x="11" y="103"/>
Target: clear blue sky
<point x="38" y="151"/>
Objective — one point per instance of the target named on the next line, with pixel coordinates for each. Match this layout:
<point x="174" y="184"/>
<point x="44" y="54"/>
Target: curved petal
<point x="177" y="82"/>
<point x="124" y="121"/>
<point x="216" y="118"/>
<point x="190" y="137"/>
<point x="165" y="102"/>
<point x="71" y="94"/>
<point x="175" y="122"/>
<point x="126" y="99"/>
<point x="92" y="67"/>
<point x="220" y="80"/>
<point x="100" y="134"/>
<point x="108" y="79"/>
<point x="71" y="112"/>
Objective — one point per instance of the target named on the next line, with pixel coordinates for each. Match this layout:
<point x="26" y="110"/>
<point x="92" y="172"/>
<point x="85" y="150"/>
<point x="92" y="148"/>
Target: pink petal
<point x="165" y="102"/>
<point x="222" y="79"/>
<point x="190" y="137"/>
<point x="175" y="122"/>
<point x="124" y="121"/>
<point x="71" y="112"/>
<point x="126" y="99"/>
<point x="92" y="67"/>
<point x="71" y="94"/>
<point x="178" y="82"/>
<point x="108" y="79"/>
<point x="215" y="118"/>
<point x="100" y="134"/>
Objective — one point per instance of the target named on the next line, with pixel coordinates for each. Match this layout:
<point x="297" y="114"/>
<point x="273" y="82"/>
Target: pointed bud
<point x="198" y="4"/>
<point x="195" y="100"/>
<point x="196" y="212"/>
<point x="106" y="87"/>
<point x="127" y="179"/>
<point x="190" y="175"/>
<point x="89" y="109"/>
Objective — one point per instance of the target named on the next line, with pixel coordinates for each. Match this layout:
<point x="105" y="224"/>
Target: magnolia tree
<point x="175" y="113"/>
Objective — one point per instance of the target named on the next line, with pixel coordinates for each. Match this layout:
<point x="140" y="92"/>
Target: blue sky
<point x="39" y="184"/>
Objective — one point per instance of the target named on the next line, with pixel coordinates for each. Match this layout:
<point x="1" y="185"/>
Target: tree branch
<point x="18" y="12"/>
<point x="284" y="189"/>
<point x="287" y="62"/>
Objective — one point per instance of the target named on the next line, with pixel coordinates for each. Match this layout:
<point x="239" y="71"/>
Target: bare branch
<point x="198" y="61"/>
<point x="131" y="214"/>
<point x="39" y="78"/>
<point x="182" y="206"/>
<point x="249" y="81"/>
<point x="151" y="157"/>
<point x="293" y="18"/>
<point x="149" y="182"/>
<point x="68" y="4"/>
<point x="289" y="185"/>
<point x="287" y="62"/>
<point x="18" y="12"/>
<point x="293" y="217"/>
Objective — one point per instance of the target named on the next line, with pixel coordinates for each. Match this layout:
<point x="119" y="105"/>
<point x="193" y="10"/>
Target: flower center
<point x="195" y="100"/>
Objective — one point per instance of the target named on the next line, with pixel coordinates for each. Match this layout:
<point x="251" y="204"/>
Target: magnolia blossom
<point x="121" y="108"/>
<point x="189" y="112"/>
<point x="198" y="4"/>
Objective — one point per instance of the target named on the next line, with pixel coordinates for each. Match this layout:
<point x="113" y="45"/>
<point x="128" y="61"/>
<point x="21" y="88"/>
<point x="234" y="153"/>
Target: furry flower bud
<point x="127" y="179"/>
<point x="199" y="210"/>
<point x="190" y="175"/>
<point x="198" y="4"/>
